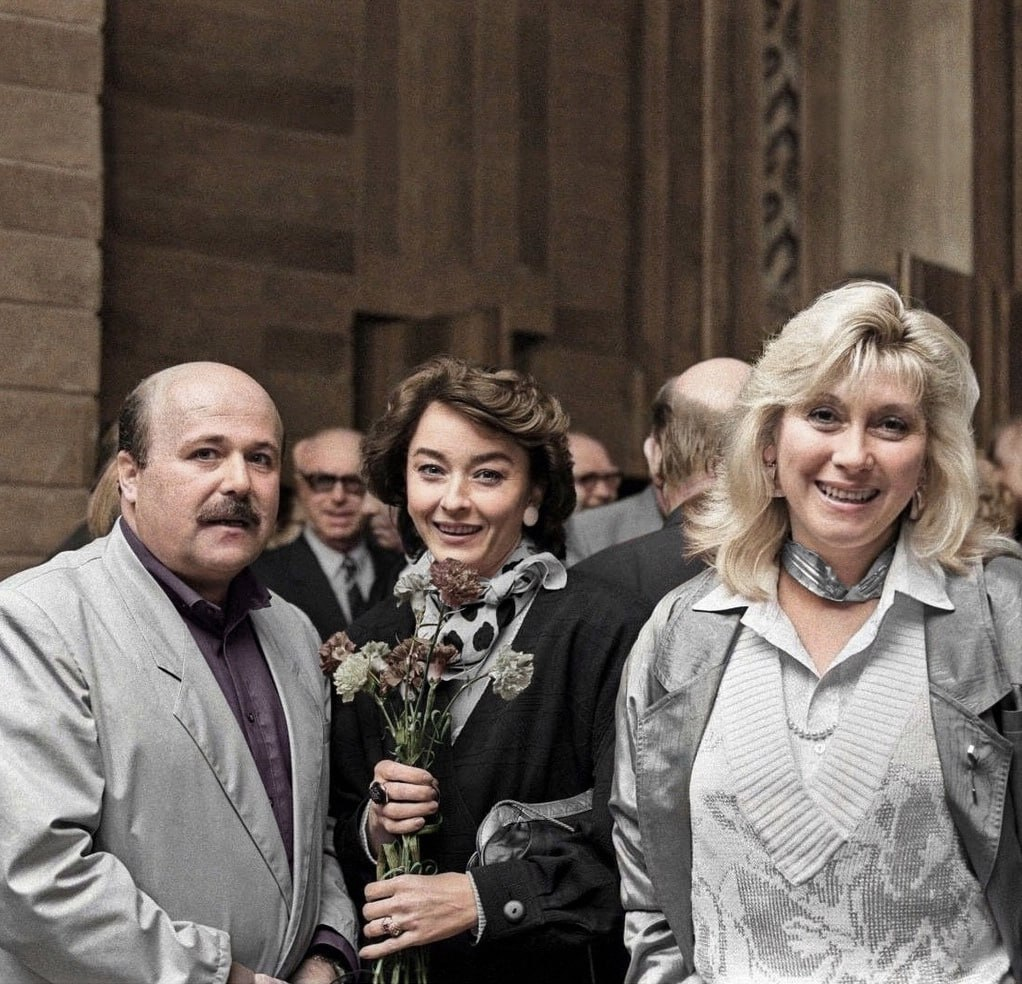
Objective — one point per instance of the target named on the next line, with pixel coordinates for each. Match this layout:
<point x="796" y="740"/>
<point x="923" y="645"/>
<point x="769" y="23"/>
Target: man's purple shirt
<point x="229" y="645"/>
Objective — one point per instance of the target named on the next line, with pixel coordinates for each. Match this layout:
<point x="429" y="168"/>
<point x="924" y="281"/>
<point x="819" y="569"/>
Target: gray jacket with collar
<point x="974" y="656"/>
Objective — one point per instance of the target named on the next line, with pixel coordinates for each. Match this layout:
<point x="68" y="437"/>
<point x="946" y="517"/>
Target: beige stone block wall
<point x="51" y="72"/>
<point x="905" y="109"/>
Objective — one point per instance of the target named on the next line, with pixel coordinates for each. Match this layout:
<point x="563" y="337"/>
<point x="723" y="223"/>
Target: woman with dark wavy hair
<point x="476" y="461"/>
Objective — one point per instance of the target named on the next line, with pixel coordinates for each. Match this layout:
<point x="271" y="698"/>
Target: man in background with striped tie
<point x="331" y="570"/>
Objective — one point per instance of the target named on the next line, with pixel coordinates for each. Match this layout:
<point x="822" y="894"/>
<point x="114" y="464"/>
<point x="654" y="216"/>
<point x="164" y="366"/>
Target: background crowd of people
<point x="777" y="691"/>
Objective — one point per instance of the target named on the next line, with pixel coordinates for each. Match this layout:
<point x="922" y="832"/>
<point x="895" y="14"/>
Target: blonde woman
<point x="818" y="770"/>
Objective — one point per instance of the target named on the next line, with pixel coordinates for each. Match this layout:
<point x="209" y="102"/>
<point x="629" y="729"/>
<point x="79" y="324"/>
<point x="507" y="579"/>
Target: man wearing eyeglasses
<point x="332" y="570"/>
<point x="597" y="478"/>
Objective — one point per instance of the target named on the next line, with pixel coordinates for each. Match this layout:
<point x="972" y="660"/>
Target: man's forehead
<point x="590" y="452"/>
<point x="220" y="401"/>
<point x="212" y="434"/>
<point x="337" y="452"/>
<point x="214" y="424"/>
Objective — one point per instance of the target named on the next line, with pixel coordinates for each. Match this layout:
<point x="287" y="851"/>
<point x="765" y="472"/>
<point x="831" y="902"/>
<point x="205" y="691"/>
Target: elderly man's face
<point x="206" y="501"/>
<point x="330" y="487"/>
<point x="597" y="478"/>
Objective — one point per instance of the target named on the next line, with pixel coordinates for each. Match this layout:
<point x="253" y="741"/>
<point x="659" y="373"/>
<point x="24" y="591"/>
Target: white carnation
<point x="376" y="653"/>
<point x="511" y="672"/>
<point x="411" y="587"/>
<point x="351" y="676"/>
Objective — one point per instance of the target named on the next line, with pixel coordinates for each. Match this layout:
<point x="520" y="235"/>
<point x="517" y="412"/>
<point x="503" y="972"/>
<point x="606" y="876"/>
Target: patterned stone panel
<point x="781" y="140"/>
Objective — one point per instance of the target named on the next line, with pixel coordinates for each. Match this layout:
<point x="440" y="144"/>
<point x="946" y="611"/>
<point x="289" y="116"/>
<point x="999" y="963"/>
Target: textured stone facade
<point x="51" y="218"/>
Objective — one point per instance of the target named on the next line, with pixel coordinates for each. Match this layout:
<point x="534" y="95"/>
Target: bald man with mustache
<point x="164" y="773"/>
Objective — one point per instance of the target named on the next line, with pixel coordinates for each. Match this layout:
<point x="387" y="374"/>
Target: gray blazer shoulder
<point x="593" y="529"/>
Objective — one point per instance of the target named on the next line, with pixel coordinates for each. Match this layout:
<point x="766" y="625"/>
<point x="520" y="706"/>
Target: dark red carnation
<point x="335" y="651"/>
<point x="444" y="654"/>
<point x="457" y="584"/>
<point x="407" y="662"/>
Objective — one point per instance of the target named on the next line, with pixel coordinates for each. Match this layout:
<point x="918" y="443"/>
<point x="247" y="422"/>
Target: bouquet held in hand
<point x="403" y="681"/>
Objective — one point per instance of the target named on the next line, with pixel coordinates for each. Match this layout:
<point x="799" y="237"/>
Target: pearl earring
<point x="531" y="516"/>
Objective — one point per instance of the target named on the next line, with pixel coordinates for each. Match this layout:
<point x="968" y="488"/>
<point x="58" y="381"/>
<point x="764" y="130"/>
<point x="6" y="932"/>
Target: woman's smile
<point x="854" y="496"/>
<point x="458" y="530"/>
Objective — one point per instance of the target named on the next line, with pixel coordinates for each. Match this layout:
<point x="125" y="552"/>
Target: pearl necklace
<point x="820" y="735"/>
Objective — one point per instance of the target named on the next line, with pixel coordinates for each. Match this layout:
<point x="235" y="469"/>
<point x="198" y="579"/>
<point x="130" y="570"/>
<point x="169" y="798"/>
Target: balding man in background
<point x="679" y="450"/>
<point x="331" y="570"/>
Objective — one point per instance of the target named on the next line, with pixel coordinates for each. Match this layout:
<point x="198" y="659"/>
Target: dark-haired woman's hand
<point x="410" y="798"/>
<point x="412" y="910"/>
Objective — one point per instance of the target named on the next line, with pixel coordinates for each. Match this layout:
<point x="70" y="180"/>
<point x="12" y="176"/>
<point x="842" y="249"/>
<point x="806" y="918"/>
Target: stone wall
<point x="51" y="58"/>
<point x="905" y="111"/>
<point x="324" y="193"/>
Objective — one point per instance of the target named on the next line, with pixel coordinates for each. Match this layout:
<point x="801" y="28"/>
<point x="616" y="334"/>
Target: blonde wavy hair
<point x="847" y="336"/>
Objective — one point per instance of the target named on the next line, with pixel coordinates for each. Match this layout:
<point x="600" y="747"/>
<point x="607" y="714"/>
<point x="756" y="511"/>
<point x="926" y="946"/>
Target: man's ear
<point x="127" y="476"/>
<point x="654" y="459"/>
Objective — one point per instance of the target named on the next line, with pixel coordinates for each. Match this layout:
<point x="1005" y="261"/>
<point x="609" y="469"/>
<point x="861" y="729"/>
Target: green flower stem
<point x="382" y="705"/>
<point x="416" y="727"/>
<point x="410" y="966"/>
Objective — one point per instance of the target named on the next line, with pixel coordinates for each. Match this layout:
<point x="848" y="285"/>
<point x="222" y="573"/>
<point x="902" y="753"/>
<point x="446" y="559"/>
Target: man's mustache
<point x="231" y="511"/>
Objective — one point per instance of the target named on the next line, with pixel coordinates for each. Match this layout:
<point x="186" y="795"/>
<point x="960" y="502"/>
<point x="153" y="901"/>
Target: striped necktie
<point x="356" y="603"/>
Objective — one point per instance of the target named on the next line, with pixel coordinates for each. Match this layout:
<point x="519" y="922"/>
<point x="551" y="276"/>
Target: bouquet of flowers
<point x="403" y="680"/>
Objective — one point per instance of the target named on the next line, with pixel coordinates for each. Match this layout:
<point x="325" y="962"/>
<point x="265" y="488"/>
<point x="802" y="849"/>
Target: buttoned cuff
<point x="504" y="891"/>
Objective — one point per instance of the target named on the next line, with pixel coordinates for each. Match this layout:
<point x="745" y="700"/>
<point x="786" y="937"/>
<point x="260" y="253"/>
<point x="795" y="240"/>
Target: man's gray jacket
<point x="137" y="841"/>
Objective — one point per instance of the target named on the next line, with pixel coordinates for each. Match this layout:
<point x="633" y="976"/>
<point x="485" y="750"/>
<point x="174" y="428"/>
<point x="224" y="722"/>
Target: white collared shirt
<point x="332" y="562"/>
